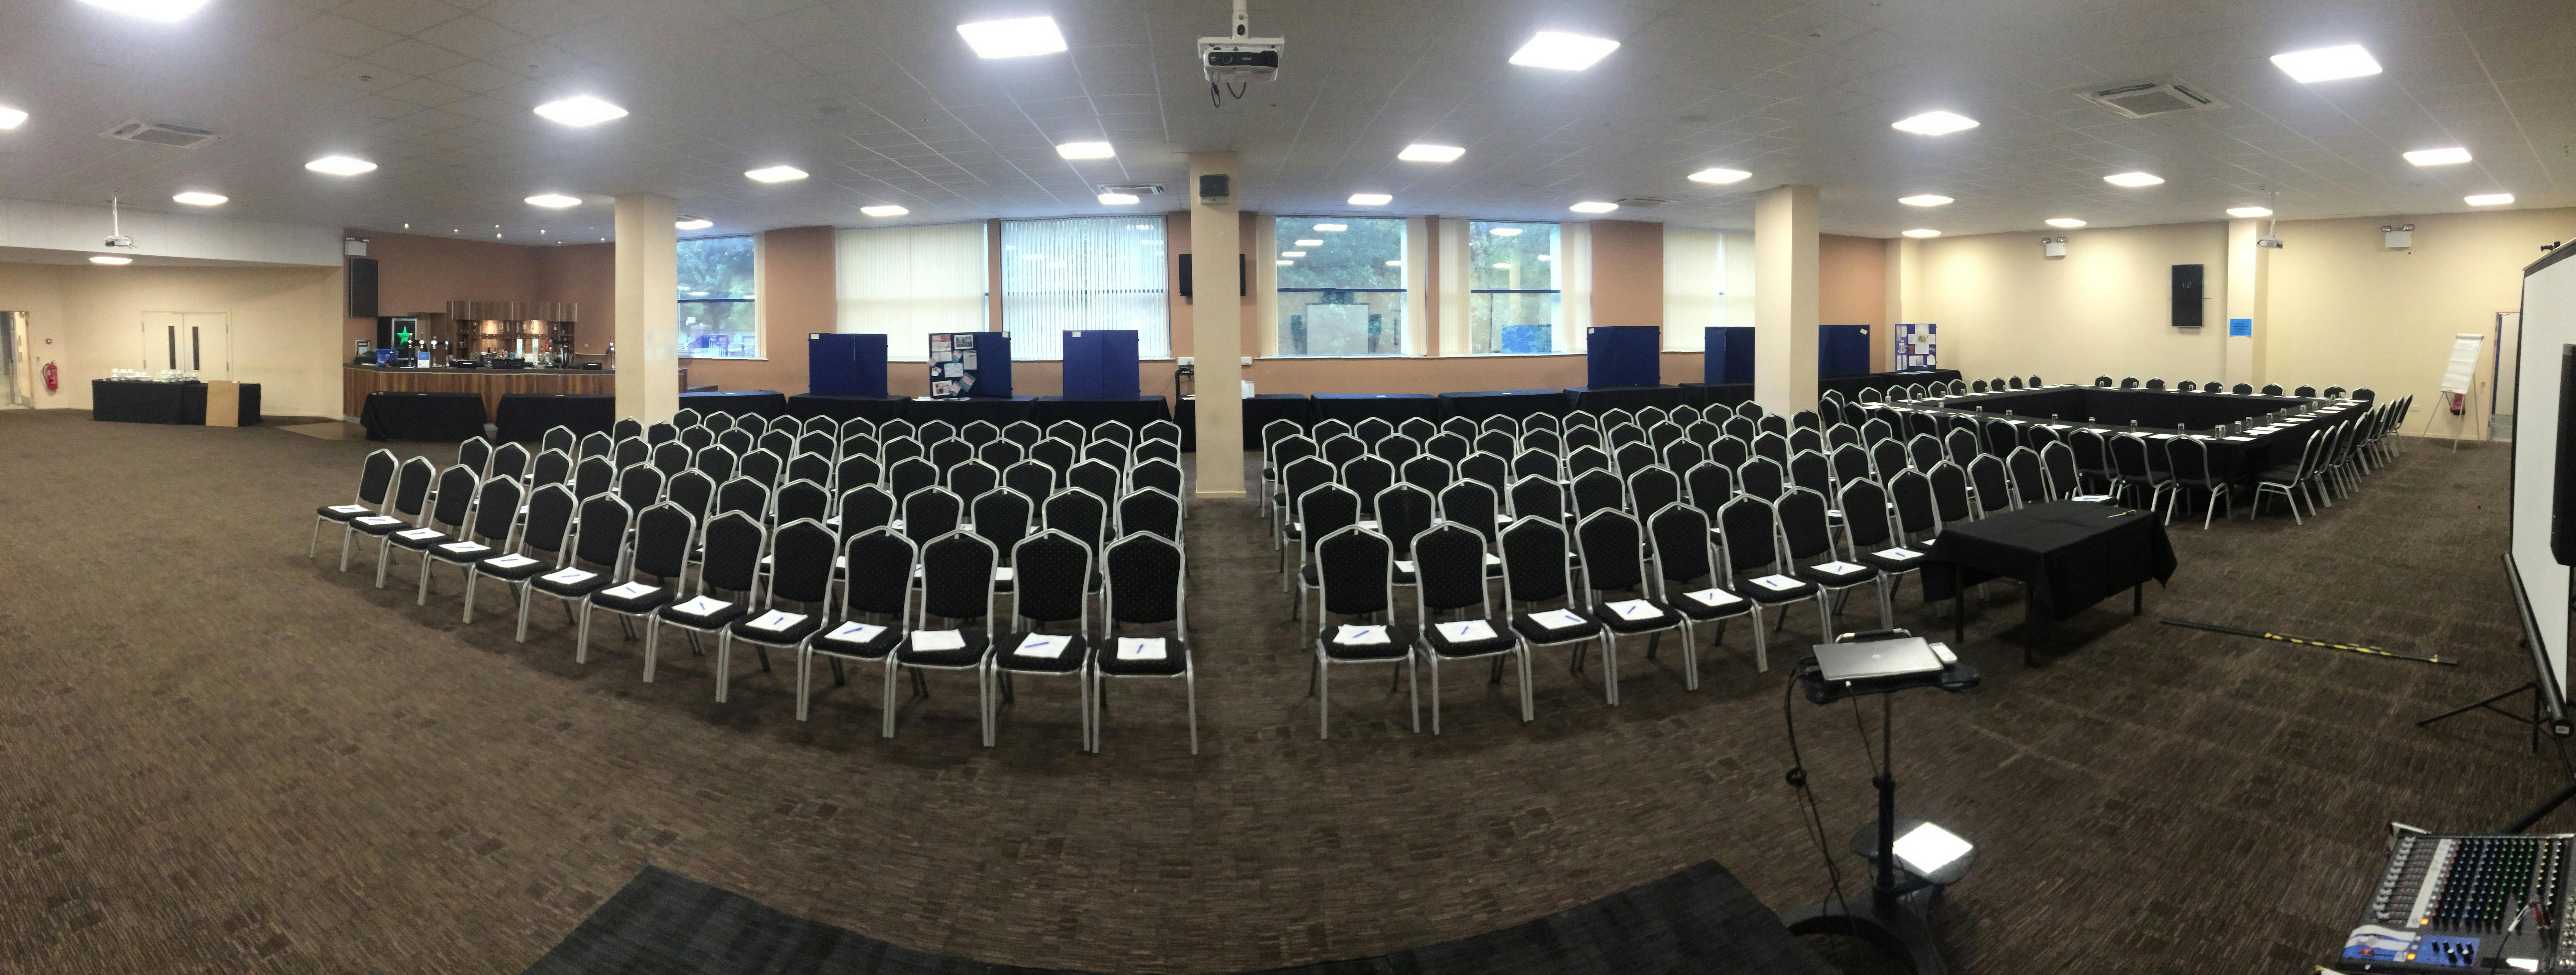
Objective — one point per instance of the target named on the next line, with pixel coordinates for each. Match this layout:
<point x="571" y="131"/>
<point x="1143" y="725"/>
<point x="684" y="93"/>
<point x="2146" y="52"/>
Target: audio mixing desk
<point x="2448" y="903"/>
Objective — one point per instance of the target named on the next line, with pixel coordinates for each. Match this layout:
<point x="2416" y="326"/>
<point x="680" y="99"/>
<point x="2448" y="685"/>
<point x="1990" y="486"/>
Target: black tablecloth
<point x="1134" y="411"/>
<point x="249" y="413"/>
<point x="525" y="417"/>
<point x="2158" y="410"/>
<point x="145" y="401"/>
<point x="2067" y="554"/>
<point x="1514" y="403"/>
<point x="874" y="409"/>
<point x="1391" y="407"/>
<point x="1257" y="413"/>
<point x="995" y="410"/>
<point x="1850" y="386"/>
<point x="1722" y="394"/>
<point x="767" y="403"/>
<point x="446" y="417"/>
<point x="1630" y="398"/>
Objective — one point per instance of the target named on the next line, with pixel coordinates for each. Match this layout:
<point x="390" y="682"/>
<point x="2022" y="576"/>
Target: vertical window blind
<point x="911" y="283"/>
<point x="1084" y="273"/>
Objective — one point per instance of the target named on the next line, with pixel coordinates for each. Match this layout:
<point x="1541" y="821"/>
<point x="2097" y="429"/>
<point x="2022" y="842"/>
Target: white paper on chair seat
<point x="702" y="606"/>
<point x="1361" y="636"/>
<point x="1899" y="553"/>
<point x="1140" y="648"/>
<point x="1466" y="631"/>
<point x="1403" y="566"/>
<point x="2160" y="436"/>
<point x="1714" y="597"/>
<point x="1493" y="559"/>
<point x="510" y="562"/>
<point x="349" y="509"/>
<point x="1840" y="566"/>
<point x="1777" y="582"/>
<point x="630" y="590"/>
<point x="1044" y="647"/>
<point x="2091" y="497"/>
<point x="379" y="520"/>
<point x="1557" y="619"/>
<point x="464" y="548"/>
<point x="2239" y="439"/>
<point x="418" y="534"/>
<point x="1369" y="524"/>
<point x="1002" y="573"/>
<point x="853" y="631"/>
<point x="1634" y="610"/>
<point x="929" y="640"/>
<point x="571" y="576"/>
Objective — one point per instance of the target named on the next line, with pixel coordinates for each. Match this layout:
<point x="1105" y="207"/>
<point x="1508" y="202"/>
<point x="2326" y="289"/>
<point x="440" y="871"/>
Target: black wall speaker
<point x="362" y="287"/>
<point x="1242" y="277"/>
<point x="2562" y="487"/>
<point x="2186" y="296"/>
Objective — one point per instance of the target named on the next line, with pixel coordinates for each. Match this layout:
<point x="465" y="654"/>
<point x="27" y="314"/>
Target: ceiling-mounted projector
<point x="1239" y="57"/>
<point x="116" y="238"/>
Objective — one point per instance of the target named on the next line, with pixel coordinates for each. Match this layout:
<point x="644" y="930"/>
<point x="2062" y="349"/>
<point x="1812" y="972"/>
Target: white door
<point x="198" y="342"/>
<point x="160" y="343"/>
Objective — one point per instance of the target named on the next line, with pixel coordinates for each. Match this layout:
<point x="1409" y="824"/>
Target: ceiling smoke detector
<point x="2148" y="99"/>
<point x="162" y="134"/>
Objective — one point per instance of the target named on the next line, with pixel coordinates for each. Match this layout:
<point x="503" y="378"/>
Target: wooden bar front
<point x="357" y="381"/>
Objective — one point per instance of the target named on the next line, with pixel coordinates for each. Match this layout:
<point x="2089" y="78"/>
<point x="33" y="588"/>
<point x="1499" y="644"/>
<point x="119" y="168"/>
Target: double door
<point x="198" y="342"/>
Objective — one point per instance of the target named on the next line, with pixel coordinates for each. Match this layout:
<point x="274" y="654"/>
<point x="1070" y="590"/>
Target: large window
<point x="1084" y="273"/>
<point x="1512" y="293"/>
<point x="911" y="283"/>
<point x="717" y="320"/>
<point x="1341" y="286"/>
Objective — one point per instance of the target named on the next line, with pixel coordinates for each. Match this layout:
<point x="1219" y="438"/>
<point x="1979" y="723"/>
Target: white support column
<point x="1785" y="264"/>
<point x="2249" y="297"/>
<point x="1216" y="324"/>
<point x="648" y="307"/>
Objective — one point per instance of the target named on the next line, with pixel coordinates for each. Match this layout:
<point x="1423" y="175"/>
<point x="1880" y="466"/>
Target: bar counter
<point x="492" y="384"/>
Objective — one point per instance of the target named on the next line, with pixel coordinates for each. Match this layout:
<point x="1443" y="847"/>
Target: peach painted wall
<point x="796" y="296"/>
<point x="1627" y="273"/>
<point x="1852" y="290"/>
<point x="585" y="274"/>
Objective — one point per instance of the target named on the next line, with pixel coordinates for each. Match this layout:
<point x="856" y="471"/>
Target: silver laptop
<point x="1876" y="658"/>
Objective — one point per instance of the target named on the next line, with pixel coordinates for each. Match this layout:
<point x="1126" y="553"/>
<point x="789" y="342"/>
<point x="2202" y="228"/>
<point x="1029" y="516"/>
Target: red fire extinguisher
<point x="53" y="378"/>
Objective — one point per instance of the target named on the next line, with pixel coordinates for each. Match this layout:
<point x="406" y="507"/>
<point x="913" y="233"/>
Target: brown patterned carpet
<point x="222" y="757"/>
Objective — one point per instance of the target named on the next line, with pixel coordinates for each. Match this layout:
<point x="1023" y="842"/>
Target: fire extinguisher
<point x="53" y="378"/>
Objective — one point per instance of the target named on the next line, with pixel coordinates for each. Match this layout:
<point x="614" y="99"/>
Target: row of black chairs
<point x="2240" y="389"/>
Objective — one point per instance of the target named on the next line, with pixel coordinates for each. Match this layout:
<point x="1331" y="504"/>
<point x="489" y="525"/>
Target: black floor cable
<point x="1813" y="820"/>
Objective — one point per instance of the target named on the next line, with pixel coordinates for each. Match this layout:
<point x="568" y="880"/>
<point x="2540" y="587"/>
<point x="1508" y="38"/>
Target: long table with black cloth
<point x="147" y="401"/>
<point x="1730" y="394"/>
<point x="1134" y="411"/>
<point x="525" y="417"/>
<point x="2241" y="457"/>
<point x="2068" y="555"/>
<point x="1630" y="398"/>
<point x="438" y="417"/>
<point x="1391" y="407"/>
<point x="765" y="402"/>
<point x="1515" y="403"/>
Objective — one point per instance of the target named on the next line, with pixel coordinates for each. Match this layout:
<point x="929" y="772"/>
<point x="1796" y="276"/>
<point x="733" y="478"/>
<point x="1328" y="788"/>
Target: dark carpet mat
<point x="1699" y="920"/>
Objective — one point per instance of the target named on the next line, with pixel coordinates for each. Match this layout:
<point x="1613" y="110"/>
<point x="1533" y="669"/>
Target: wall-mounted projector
<point x="2271" y="242"/>
<point x="116" y="238"/>
<point x="1240" y="58"/>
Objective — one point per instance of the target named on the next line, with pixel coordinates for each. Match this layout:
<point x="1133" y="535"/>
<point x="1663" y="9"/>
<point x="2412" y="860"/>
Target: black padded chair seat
<point x="1531" y="630"/>
<point x="521" y="572"/>
<point x="364" y="524"/>
<point x="644" y="602"/>
<point x="1396" y="647"/>
<point x="327" y="512"/>
<point x="792" y="633"/>
<point x="844" y="641"/>
<point x="1760" y="593"/>
<point x="593" y="582"/>
<point x="1727" y="604"/>
<point x="1822" y="573"/>
<point x="710" y="619"/>
<point x="1608" y="617"/>
<point x="418" y="542"/>
<point x="2284" y="474"/>
<point x="464" y="551"/>
<point x="1439" y="643"/>
<point x="1893" y="563"/>
<point x="1076" y="650"/>
<point x="1174" y="652"/>
<point x="966" y="656"/>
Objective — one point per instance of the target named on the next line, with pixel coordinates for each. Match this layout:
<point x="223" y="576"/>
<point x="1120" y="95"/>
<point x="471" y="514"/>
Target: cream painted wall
<point x="2348" y="311"/>
<point x="2102" y="309"/>
<point x="285" y="325"/>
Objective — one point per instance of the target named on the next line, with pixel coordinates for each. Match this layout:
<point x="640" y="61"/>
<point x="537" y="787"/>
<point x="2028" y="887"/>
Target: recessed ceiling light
<point x="1117" y="199"/>
<point x="1292" y="253"/>
<point x="554" y="201"/>
<point x="2489" y="199"/>
<point x="580" y="110"/>
<point x="340" y="165"/>
<point x="2133" y="179"/>
<point x="2438" y="157"/>
<point x="1086" y="150"/>
<point x="2327" y="63"/>
<point x="1564" y="52"/>
<point x="1719" y="176"/>
<point x="1332" y="228"/>
<point x="776" y="174"/>
<point x="11" y="118"/>
<point x="1593" y="206"/>
<point x="1024" y="37"/>
<point x="2249" y="211"/>
<point x="1426" y="152"/>
<point x="2064" y="222"/>
<point x="1371" y="199"/>
<point x="195" y="198"/>
<point x="1283" y="262"/>
<point x="1505" y="231"/>
<point x="1310" y="243"/>
<point x="165" y="11"/>
<point x="1934" y="123"/>
<point x="1923" y="200"/>
<point x="110" y="259"/>
<point x="1922" y="233"/>
<point x="884" y="210"/>
<point x="693" y="223"/>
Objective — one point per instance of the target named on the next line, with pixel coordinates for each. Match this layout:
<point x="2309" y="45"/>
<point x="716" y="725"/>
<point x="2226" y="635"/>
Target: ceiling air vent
<point x="2147" y="99"/>
<point x="1133" y="189"/>
<point x="161" y="134"/>
<point x="1641" y="202"/>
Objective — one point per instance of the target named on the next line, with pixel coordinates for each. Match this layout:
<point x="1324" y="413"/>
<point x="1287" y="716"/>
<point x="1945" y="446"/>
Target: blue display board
<point x="1729" y="355"/>
<point x="964" y="364"/>
<point x="852" y="364"/>
<point x="1100" y="363"/>
<point x="1842" y="350"/>
<point x="1623" y="355"/>
<point x="1917" y="346"/>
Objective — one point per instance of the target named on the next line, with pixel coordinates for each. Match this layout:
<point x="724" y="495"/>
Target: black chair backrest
<point x="1949" y="492"/>
<point x="670" y="457"/>
<point x="1679" y="534"/>
<point x="1054" y="452"/>
<point x="1773" y="446"/>
<point x="1001" y="454"/>
<point x="1613" y="551"/>
<point x="909" y="475"/>
<point x="744" y="495"/>
<point x="1804" y="524"/>
<point x="880" y="573"/>
<point x="802" y="500"/>
<point x="864" y="507"/>
<point x="551" y="467"/>
<point x="1078" y="513"/>
<point x="558" y="438"/>
<point x="1762" y="478"/>
<point x="1597" y="490"/>
<point x="855" y="471"/>
<point x="1110" y="452"/>
<point x="639" y="487"/>
<point x="1711" y="485"/>
<point x="600" y="537"/>
<point x="951" y="452"/>
<point x="628" y="427"/>
<point x="1324" y="510"/>
<point x="1472" y="504"/>
<point x="1749" y="526"/>
<point x="1022" y="432"/>
<point x="934" y="431"/>
<point x="550" y="511"/>
<point x="1051" y="577"/>
<point x="719" y="461"/>
<point x="1147" y="509"/>
<point x="970" y="479"/>
<point x="1487" y="469"/>
<point x="1449" y="567"/>
<point x="1812" y="471"/>
<point x="1994" y="488"/>
<point x="696" y="438"/>
<point x="1535" y="463"/>
<point x="1498" y="443"/>
<point x="1538" y="497"/>
<point x="1340" y="449"/>
<point x="957" y="577"/>
<point x="1651" y="488"/>
<point x="1353" y="567"/>
<point x="455" y="497"/>
<point x="496" y="509"/>
<point x="661" y="433"/>
<point x="931" y="512"/>
<point x="763" y="466"/>
<point x="1002" y="517"/>
<point x="1032" y="478"/>
<point x="630" y="452"/>
<point x="800" y="569"/>
<point x="2189" y="457"/>
<point x="1160" y="431"/>
<point x="1403" y="511"/>
<point x="663" y="534"/>
<point x="509" y="461"/>
<point x="1463" y="427"/>
<point x="1146" y="581"/>
<point x="1097" y="477"/>
<point x="1865" y="515"/>
<point x="1068" y="431"/>
<point x="1157" y="473"/>
<point x="1535" y="562"/>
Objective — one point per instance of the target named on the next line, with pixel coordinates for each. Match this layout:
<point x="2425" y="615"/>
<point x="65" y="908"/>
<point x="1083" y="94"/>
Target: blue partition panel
<point x="970" y="364"/>
<point x="852" y="364"/>
<point x="1624" y="355"/>
<point x="1729" y="356"/>
<point x="1100" y="363"/>
<point x="1842" y="350"/>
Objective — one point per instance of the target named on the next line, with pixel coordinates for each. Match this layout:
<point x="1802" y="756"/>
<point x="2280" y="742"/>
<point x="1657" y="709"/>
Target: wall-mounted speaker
<point x="1242" y="277"/>
<point x="2187" y="295"/>
<point x="362" y="287"/>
